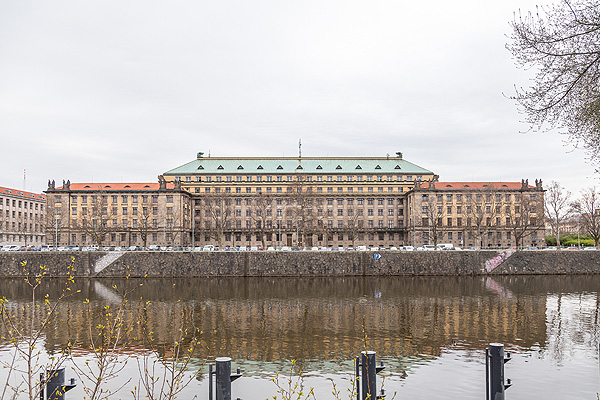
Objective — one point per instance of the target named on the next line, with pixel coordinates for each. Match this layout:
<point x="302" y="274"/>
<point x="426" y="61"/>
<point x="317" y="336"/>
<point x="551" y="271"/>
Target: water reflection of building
<point x="312" y="319"/>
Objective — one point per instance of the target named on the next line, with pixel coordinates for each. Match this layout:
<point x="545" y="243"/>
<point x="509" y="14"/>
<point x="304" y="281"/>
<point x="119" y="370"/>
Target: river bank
<point x="303" y="263"/>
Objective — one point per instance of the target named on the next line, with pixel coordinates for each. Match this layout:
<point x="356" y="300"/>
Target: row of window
<point x="20" y="204"/>
<point x="279" y="212"/>
<point x="115" y="210"/>
<point x="307" y="190"/>
<point x="289" y="224"/>
<point x="115" y="198"/>
<point x="19" y="214"/>
<point x="124" y="238"/>
<point x="18" y="226"/>
<point x="479" y="197"/>
<point x="273" y="238"/>
<point x="479" y="209"/>
<point x="499" y="235"/>
<point x="289" y="201"/>
<point x="125" y="223"/>
<point x="300" y="178"/>
<point x="471" y="222"/>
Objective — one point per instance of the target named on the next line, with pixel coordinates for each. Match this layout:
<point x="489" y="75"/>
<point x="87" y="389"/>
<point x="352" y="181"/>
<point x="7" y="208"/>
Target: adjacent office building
<point x="22" y="216"/>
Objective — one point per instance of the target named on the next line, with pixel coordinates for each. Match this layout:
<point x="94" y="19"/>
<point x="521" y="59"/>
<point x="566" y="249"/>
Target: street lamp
<point x="56" y="231"/>
<point x="578" y="244"/>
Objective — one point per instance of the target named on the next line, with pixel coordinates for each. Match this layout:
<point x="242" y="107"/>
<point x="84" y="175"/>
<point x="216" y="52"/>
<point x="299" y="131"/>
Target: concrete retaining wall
<point x="184" y="264"/>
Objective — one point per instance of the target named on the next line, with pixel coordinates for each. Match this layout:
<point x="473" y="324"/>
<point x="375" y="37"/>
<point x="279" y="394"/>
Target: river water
<point x="430" y="332"/>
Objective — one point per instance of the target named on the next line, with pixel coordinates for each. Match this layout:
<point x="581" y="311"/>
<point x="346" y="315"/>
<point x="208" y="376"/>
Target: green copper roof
<point x="291" y="165"/>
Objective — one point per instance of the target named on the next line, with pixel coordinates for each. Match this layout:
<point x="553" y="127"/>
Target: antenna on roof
<point x="299" y="148"/>
<point x="24" y="179"/>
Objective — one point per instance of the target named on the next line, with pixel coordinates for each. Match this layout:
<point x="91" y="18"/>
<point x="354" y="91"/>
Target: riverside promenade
<point x="300" y="263"/>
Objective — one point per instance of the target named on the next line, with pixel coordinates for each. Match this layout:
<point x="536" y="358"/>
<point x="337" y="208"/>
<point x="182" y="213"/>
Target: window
<point x="134" y="199"/>
<point x="169" y="198"/>
<point x="155" y="198"/>
<point x="124" y="198"/>
<point x="449" y="210"/>
<point x="448" y="197"/>
<point x="449" y="221"/>
<point x="439" y="197"/>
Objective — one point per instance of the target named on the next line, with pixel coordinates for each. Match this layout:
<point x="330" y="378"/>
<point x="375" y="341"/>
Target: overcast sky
<point x="118" y="91"/>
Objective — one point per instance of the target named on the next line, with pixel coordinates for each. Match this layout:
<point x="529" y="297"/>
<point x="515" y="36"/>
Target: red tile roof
<point x="22" y="193"/>
<point x="475" y="185"/>
<point x="116" y="186"/>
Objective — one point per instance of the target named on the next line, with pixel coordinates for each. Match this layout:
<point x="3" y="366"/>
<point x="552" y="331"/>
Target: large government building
<point x="297" y="201"/>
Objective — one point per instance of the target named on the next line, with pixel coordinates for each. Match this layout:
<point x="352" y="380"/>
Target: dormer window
<point x="319" y="167"/>
<point x="338" y="167"/>
<point x="377" y="167"/>
<point x="240" y="167"/>
<point x="358" y="167"/>
<point x="220" y="167"/>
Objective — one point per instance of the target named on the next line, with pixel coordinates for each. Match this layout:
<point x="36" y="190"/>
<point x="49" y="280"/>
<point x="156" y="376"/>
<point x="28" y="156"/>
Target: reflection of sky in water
<point x="431" y="335"/>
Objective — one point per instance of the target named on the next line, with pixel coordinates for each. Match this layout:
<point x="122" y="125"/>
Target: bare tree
<point x="527" y="218"/>
<point x="301" y="209"/>
<point x="143" y="223"/>
<point x="94" y="218"/>
<point x="434" y="218"/>
<point x="588" y="207"/>
<point x="218" y="214"/>
<point x="481" y="212"/>
<point x="561" y="42"/>
<point x="558" y="207"/>
<point x="262" y="216"/>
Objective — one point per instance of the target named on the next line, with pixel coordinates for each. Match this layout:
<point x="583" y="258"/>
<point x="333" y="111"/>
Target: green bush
<point x="570" y="240"/>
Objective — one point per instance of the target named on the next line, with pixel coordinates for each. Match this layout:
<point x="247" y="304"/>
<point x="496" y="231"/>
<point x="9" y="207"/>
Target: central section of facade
<point x="293" y="201"/>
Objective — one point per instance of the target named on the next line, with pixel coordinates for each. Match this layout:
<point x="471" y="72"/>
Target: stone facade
<point x="477" y="214"/>
<point x="118" y="214"/>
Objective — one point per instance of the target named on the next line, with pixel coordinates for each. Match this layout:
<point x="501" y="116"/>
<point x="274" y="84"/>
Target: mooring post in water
<point x="366" y="382"/>
<point x="55" y="385"/>
<point x="494" y="368"/>
<point x="223" y="378"/>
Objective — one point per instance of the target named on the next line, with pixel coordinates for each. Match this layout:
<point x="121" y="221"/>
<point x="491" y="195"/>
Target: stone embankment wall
<point x="184" y="264"/>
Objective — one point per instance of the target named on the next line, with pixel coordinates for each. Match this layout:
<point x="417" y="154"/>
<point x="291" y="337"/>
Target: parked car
<point x="208" y="247"/>
<point x="154" y="247"/>
<point x="361" y="248"/>
<point x="72" y="247"/>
